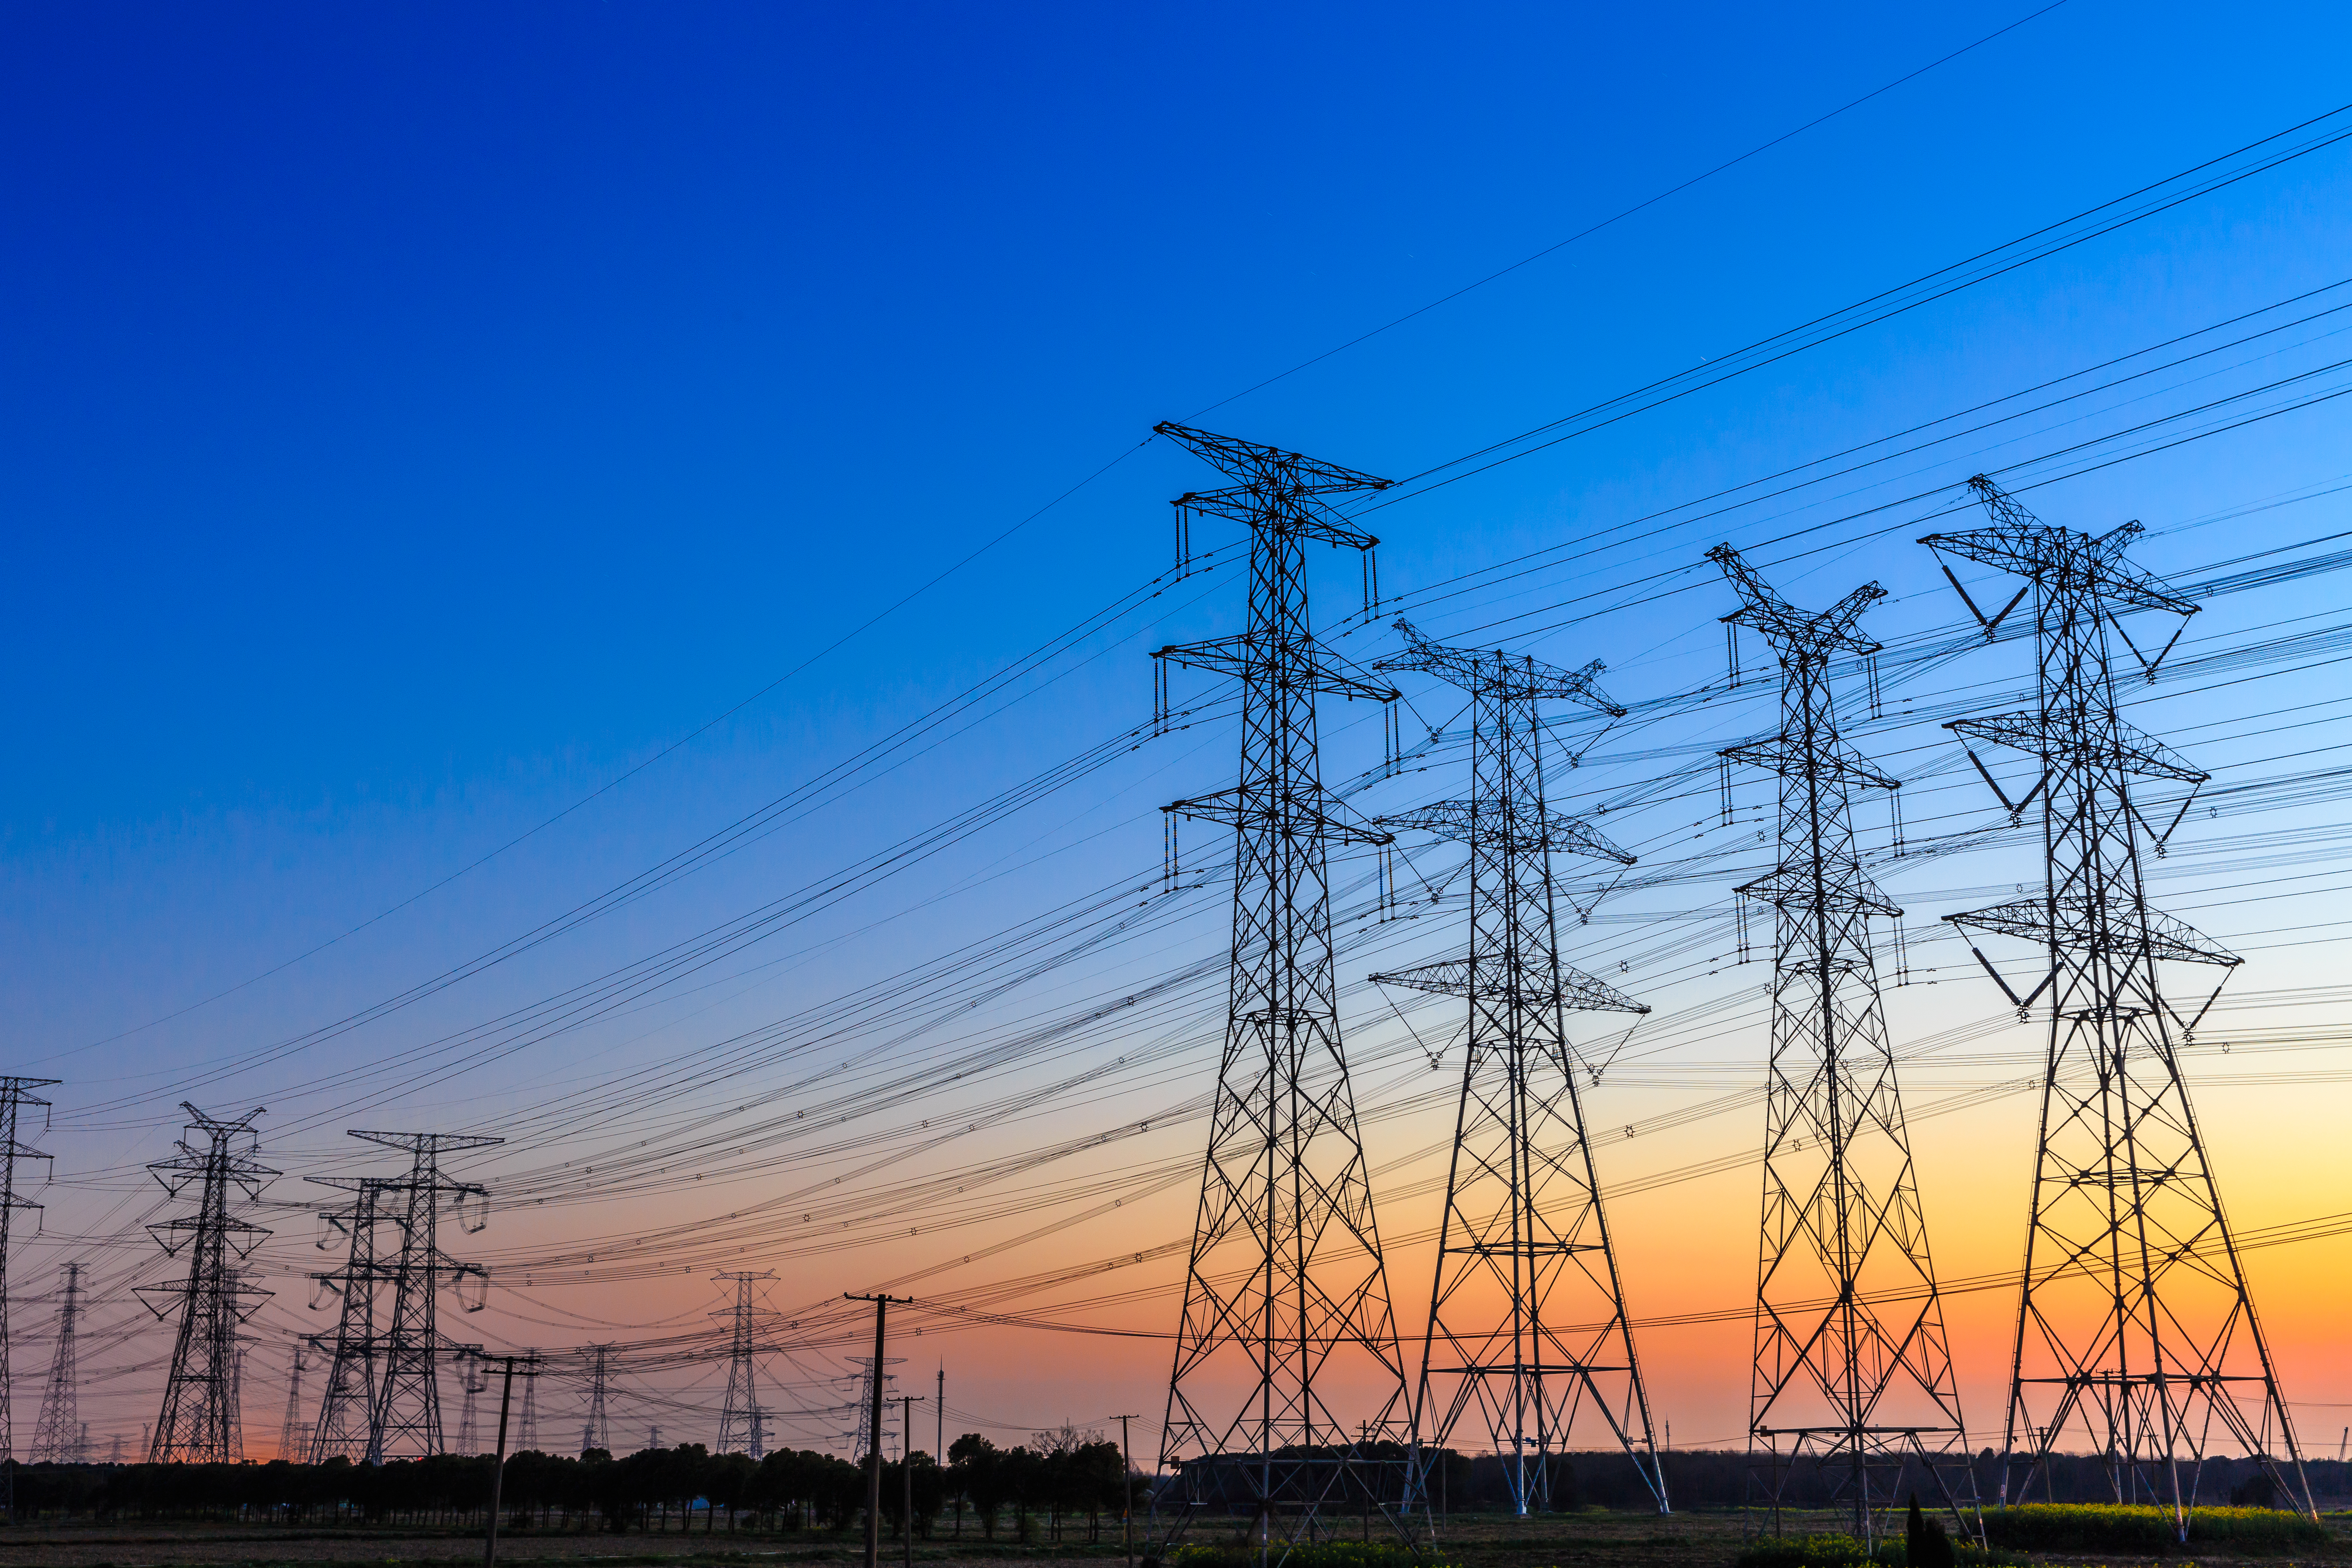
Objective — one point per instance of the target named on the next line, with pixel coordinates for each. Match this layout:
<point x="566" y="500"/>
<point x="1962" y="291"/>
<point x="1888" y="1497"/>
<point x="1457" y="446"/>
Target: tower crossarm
<point x="1302" y="661"/>
<point x="2108" y="745"/>
<point x="2066" y="561"/>
<point x="1519" y="832"/>
<point x="1789" y="756"/>
<point x="2163" y="936"/>
<point x="1491" y="672"/>
<point x="1251" y="462"/>
<point x="1578" y="992"/>
<point x="1798" y="888"/>
<point x="1298" y="815"/>
<point x="1799" y="634"/>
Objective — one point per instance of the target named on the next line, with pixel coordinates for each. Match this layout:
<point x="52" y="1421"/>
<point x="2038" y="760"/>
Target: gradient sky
<point x="420" y="419"/>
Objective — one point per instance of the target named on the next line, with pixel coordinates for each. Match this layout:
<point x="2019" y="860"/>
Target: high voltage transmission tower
<point x="2135" y="1327"/>
<point x="58" y="1439"/>
<point x="15" y="1095"/>
<point x="597" y="1432"/>
<point x="473" y="1379"/>
<point x="290" y="1429"/>
<point x="1852" y="1366"/>
<point x="198" y="1422"/>
<point x="1286" y="1296"/>
<point x="405" y="1419"/>
<point x="527" y="1423"/>
<point x="742" y="1426"/>
<point x="1526" y="1318"/>
<point x="350" y="1394"/>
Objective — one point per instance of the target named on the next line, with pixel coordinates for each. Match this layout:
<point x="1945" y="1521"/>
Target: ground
<point x="1689" y="1540"/>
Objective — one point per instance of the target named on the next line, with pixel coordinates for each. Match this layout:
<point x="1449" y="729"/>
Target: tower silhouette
<point x="597" y="1433"/>
<point x="1526" y="1319"/>
<point x="290" y="1429"/>
<point x="58" y="1439"/>
<point x="405" y="1419"/>
<point x="1286" y="1294"/>
<point x="1852" y="1368"/>
<point x="198" y="1422"/>
<point x="349" y="1395"/>
<point x="743" y="1425"/>
<point x="15" y="1096"/>
<point x="2136" y="1331"/>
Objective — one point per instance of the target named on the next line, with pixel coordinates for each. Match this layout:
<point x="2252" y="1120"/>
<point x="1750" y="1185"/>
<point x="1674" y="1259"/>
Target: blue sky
<point x="417" y="417"/>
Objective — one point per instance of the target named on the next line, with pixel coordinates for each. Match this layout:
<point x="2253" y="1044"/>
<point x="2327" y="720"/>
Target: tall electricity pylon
<point x="1852" y="1368"/>
<point x="2134" y="1328"/>
<point x="527" y="1423"/>
<point x="472" y="1379"/>
<point x="290" y="1429"/>
<point x="350" y="1394"/>
<point x="743" y="1425"/>
<point x="1287" y="1295"/>
<point x="57" y="1437"/>
<point x="198" y="1422"/>
<point x="405" y="1420"/>
<point x="597" y="1433"/>
<point x="15" y="1095"/>
<point x="1526" y="1316"/>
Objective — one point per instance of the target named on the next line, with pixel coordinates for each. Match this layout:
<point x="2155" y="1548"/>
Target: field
<point x="1704" y="1539"/>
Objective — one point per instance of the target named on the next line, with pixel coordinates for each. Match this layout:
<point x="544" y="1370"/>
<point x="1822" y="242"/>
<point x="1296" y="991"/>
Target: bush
<point x="2145" y="1530"/>
<point x="1827" y="1550"/>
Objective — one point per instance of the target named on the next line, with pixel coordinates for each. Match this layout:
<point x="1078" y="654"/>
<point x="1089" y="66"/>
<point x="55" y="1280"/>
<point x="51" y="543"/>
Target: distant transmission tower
<point x="198" y="1422"/>
<point x="15" y="1094"/>
<point x="289" y="1430"/>
<point x="349" y="1393"/>
<point x="742" y="1426"/>
<point x="405" y="1420"/>
<point x="1867" y="1395"/>
<point x="2134" y="1328"/>
<point x="527" y="1423"/>
<point x="58" y="1437"/>
<point x="1286" y="1296"/>
<point x="1526" y="1316"/>
<point x="471" y="1377"/>
<point x="598" y="1431"/>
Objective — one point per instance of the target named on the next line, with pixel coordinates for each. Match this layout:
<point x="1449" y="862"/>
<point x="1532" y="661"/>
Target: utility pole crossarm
<point x="2162" y="936"/>
<point x="1293" y="815"/>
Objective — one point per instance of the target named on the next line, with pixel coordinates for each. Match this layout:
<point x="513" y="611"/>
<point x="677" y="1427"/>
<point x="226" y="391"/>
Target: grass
<point x="2145" y="1530"/>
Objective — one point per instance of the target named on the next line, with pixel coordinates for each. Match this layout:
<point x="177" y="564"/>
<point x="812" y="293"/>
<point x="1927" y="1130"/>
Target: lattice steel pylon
<point x="597" y="1432"/>
<point x="527" y="1422"/>
<point x="1526" y="1316"/>
<point x="2135" y="1327"/>
<point x="1852" y="1366"/>
<point x="742" y="1425"/>
<point x="405" y="1419"/>
<point x="1287" y="1293"/>
<point x="57" y="1440"/>
<point x="15" y="1094"/>
<point x="198" y="1421"/>
<point x="349" y="1393"/>
<point x="290" y="1426"/>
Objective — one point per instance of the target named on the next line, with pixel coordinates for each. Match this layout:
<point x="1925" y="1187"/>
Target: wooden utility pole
<point x="1127" y="1492"/>
<point x="874" y="1438"/>
<point x="530" y="1363"/>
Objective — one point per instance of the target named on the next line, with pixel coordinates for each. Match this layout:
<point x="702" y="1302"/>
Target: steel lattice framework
<point x="58" y="1439"/>
<point x="1853" y="1367"/>
<point x="349" y="1393"/>
<point x="1526" y="1316"/>
<point x="15" y="1095"/>
<point x="198" y="1423"/>
<point x="596" y="1432"/>
<point x="404" y="1420"/>
<point x="1286" y="1293"/>
<point x="289" y="1428"/>
<point x="742" y="1425"/>
<point x="2135" y="1327"/>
